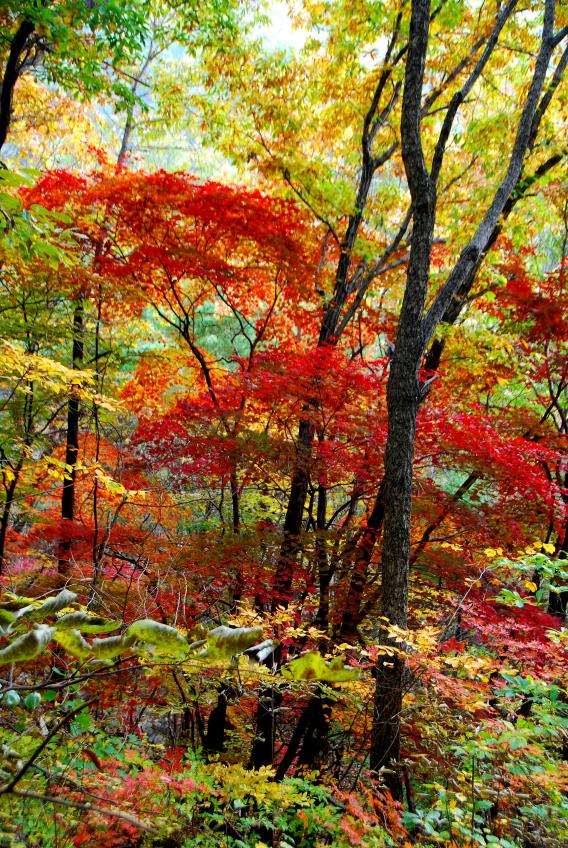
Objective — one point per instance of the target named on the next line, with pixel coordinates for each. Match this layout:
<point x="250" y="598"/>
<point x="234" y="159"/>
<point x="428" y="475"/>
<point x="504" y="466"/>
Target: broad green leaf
<point x="516" y="742"/>
<point x="224" y="642"/>
<point x="73" y="642"/>
<point x="15" y="602"/>
<point x="32" y="700"/>
<point x="102" y="649"/>
<point x="49" y="607"/>
<point x="159" y="638"/>
<point x="6" y="617"/>
<point x="28" y="646"/>
<point x="312" y="666"/>
<point x="107" y="649"/>
<point x="85" y="623"/>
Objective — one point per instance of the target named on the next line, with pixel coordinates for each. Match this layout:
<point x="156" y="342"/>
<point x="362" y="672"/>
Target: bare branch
<point x="480" y="241"/>
<point x="463" y="92"/>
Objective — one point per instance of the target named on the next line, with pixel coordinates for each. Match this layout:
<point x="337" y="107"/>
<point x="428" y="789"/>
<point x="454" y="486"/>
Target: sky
<point x="279" y="33"/>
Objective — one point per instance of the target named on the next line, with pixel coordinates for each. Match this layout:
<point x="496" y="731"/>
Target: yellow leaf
<point x="532" y="587"/>
<point x="490" y="552"/>
<point x="548" y="548"/>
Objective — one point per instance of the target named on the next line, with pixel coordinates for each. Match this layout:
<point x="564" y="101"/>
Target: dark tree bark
<point x="7" y="510"/>
<point x="415" y="329"/>
<point x="263" y="746"/>
<point x="71" y="443"/>
<point x="339" y="311"/>
<point x="403" y="399"/>
<point x="316" y="738"/>
<point x="352" y="613"/>
<point x="558" y="601"/>
<point x="308" y="725"/>
<point x="11" y="74"/>
<point x="214" y="741"/>
<point x="324" y="566"/>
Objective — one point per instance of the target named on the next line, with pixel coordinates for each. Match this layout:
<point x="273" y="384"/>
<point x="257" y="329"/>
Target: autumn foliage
<point x="195" y="385"/>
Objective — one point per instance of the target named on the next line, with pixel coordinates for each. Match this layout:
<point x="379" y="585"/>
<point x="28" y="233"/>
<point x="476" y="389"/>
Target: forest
<point x="283" y="417"/>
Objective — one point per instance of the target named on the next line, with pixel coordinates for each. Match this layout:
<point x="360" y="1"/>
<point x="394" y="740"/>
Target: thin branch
<point x="300" y="194"/>
<point x="478" y="244"/>
<point x="463" y="92"/>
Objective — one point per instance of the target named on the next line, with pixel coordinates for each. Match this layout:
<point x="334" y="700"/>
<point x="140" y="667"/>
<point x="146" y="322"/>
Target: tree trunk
<point x="71" y="446"/>
<point x="415" y="329"/>
<point x="558" y="601"/>
<point x="403" y="401"/>
<point x="11" y="73"/>
<point x="294" y="515"/>
<point x="352" y="611"/>
<point x="323" y="562"/>
<point x="265" y="732"/>
<point x="316" y="738"/>
<point x="5" y="518"/>
<point x="309" y="717"/>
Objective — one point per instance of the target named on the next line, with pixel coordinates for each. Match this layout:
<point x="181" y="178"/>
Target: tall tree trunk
<point x="12" y="71"/>
<point x="415" y="329"/>
<point x="6" y="512"/>
<point x="71" y="445"/>
<point x="558" y="601"/>
<point x="265" y="732"/>
<point x="322" y="560"/>
<point x="294" y="515"/>
<point x="352" y="610"/>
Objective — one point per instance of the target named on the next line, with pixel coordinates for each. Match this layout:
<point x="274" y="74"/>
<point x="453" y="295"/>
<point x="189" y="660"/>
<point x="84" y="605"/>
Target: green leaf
<point x="85" y="623"/>
<point x="32" y="700"/>
<point x="28" y="646"/>
<point x="225" y="642"/>
<point x="6" y="617"/>
<point x="516" y="742"/>
<point x="15" y="602"/>
<point x="73" y="642"/>
<point x="50" y="606"/>
<point x="312" y="666"/>
<point x="11" y="698"/>
<point x="11" y="178"/>
<point x="484" y="804"/>
<point x="107" y="649"/>
<point x="159" y="638"/>
<point x="50" y="695"/>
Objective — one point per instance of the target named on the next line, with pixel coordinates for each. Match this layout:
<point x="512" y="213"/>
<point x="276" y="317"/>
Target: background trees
<point x="223" y="401"/>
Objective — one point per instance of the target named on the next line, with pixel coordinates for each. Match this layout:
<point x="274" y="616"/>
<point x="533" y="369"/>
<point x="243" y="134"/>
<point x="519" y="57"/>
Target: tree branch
<point x="463" y="92"/>
<point x="478" y="244"/>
